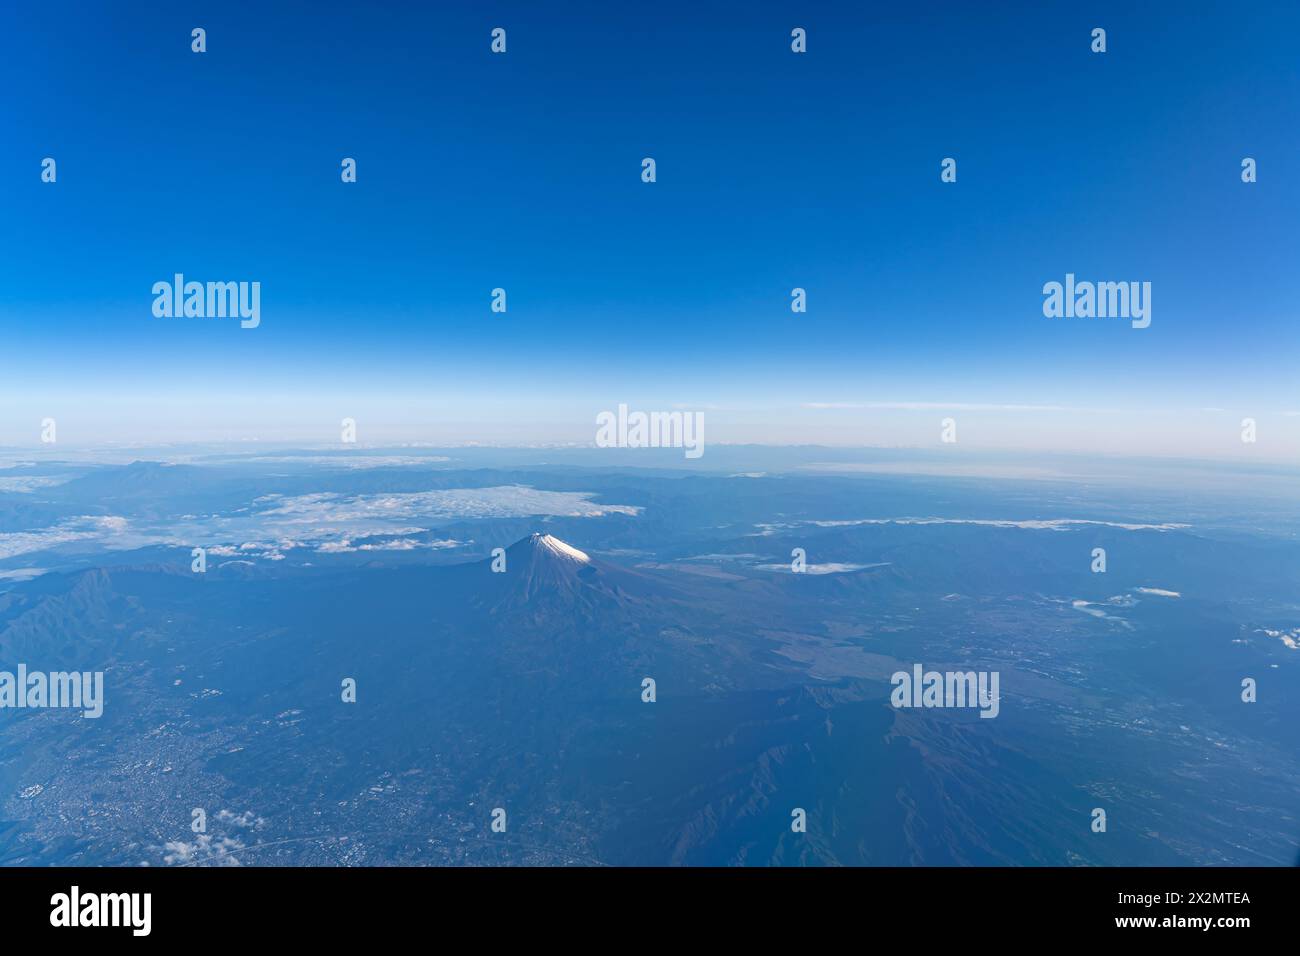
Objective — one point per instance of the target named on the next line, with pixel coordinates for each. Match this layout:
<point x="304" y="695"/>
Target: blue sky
<point x="775" y="170"/>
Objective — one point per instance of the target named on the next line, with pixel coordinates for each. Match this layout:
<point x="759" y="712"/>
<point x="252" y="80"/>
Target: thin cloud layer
<point x="325" y="521"/>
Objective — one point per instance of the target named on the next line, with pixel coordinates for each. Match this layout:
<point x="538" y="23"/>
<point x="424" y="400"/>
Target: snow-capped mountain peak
<point x="553" y="546"/>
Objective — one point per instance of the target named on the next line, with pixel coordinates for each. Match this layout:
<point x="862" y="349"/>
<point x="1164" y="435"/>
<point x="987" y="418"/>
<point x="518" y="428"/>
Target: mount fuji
<point x="541" y="576"/>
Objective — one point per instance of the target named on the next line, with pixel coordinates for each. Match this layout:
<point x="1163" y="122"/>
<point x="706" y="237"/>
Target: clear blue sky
<point x="522" y="171"/>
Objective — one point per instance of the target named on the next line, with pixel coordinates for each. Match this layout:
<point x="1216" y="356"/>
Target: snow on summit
<point x="553" y="545"/>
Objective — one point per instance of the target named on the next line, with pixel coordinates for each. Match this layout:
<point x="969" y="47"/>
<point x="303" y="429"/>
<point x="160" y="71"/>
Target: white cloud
<point x="21" y="574"/>
<point x="828" y="568"/>
<point x="1094" y="609"/>
<point x="106" y="531"/>
<point x="940" y="406"/>
<point x="204" y="849"/>
<point x="348" y="461"/>
<point x="377" y="514"/>
<point x="1290" y="638"/>
<point x="276" y="524"/>
<point x="1033" y="524"/>
<point x="28" y="483"/>
<point x="345" y="545"/>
